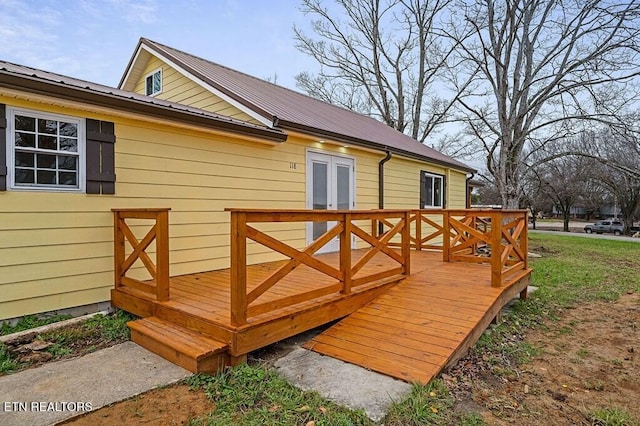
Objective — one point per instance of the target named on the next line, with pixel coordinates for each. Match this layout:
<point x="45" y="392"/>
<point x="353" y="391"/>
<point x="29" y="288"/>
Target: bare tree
<point x="488" y="194"/>
<point x="563" y="180"/>
<point x="380" y="58"/>
<point x="534" y="197"/>
<point x="539" y="67"/>
<point x="621" y="172"/>
<point x="594" y="196"/>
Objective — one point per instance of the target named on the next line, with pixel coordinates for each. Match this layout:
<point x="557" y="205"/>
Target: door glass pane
<point x="320" y="196"/>
<point x="437" y="192"/>
<point x="343" y="187"/>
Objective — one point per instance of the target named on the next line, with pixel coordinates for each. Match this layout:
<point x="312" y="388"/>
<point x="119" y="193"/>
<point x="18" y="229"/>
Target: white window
<point x="45" y="151"/>
<point x="153" y="83"/>
<point x="431" y="190"/>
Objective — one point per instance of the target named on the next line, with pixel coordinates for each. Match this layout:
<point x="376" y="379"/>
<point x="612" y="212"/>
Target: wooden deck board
<point x="412" y="331"/>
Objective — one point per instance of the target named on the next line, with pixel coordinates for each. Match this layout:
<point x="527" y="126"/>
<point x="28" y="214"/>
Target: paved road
<point x="585" y="235"/>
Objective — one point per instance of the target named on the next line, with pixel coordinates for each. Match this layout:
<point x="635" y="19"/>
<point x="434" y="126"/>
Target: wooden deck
<point x="201" y="301"/>
<point x="424" y="323"/>
<point x="409" y="312"/>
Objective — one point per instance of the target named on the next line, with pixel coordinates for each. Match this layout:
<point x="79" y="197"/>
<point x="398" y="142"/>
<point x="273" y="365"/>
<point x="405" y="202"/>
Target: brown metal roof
<point x="289" y="109"/>
<point x="47" y="83"/>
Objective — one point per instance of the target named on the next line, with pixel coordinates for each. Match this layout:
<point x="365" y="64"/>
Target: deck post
<point x="496" y="249"/>
<point x="162" y="255"/>
<point x="238" y="268"/>
<point x="474" y="224"/>
<point x="446" y="236"/>
<point x="345" y="254"/>
<point x="418" y="230"/>
<point x="406" y="243"/>
<point x="118" y="248"/>
<point x="524" y="240"/>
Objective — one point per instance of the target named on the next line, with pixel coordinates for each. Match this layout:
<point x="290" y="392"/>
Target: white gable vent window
<point x="153" y="83"/>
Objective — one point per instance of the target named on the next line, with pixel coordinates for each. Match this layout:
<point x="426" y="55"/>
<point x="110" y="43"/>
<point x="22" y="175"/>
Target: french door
<point x="330" y="186"/>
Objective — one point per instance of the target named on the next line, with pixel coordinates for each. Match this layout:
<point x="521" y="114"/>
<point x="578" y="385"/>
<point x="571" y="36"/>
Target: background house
<point x="184" y="133"/>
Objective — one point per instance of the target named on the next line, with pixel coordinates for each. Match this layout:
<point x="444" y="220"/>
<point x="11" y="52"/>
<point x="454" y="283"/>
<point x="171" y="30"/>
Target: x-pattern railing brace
<point x="377" y="245"/>
<point x="297" y="257"/>
<point x="139" y="248"/>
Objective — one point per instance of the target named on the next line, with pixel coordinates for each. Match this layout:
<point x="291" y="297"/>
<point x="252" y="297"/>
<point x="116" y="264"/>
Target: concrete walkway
<point x="57" y="391"/>
<point x="341" y="382"/>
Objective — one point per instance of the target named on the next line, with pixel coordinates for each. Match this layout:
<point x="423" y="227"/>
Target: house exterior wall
<point x="178" y="88"/>
<point x="56" y="249"/>
<point x="401" y="194"/>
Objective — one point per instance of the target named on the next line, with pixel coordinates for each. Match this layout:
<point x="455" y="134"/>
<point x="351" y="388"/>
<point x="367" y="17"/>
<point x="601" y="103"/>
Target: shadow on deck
<point x="409" y="312"/>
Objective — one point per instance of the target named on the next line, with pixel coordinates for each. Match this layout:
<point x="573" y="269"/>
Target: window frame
<point x="152" y="74"/>
<point x="424" y="173"/>
<point x="11" y="150"/>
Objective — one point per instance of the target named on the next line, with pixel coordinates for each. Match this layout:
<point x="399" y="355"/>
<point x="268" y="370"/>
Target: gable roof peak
<point x="288" y="109"/>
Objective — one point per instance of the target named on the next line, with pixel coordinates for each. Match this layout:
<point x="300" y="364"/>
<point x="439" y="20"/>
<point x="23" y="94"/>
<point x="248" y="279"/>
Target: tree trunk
<point x="510" y="200"/>
<point x="566" y="216"/>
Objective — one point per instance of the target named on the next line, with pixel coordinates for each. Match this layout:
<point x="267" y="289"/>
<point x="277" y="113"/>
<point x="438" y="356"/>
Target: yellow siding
<point x="178" y="88"/>
<point x="56" y="248"/>
<point x="402" y="184"/>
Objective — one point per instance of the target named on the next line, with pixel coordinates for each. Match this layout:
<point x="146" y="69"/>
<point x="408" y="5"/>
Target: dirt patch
<point x="33" y="350"/>
<point x="588" y="360"/>
<point x="174" y="405"/>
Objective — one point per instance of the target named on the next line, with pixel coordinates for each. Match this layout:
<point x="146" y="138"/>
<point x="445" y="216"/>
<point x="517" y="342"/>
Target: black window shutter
<point x="3" y="147"/>
<point x="100" y="154"/>
<point x="423" y="183"/>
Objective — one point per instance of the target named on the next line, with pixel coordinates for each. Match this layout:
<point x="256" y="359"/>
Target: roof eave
<point x="130" y="65"/>
<point x="37" y="86"/>
<point x="368" y="144"/>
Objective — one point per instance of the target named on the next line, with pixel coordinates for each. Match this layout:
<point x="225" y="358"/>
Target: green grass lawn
<point x="576" y="269"/>
<point x="30" y="321"/>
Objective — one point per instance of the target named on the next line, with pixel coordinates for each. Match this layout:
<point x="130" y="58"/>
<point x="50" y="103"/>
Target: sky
<point x="94" y="40"/>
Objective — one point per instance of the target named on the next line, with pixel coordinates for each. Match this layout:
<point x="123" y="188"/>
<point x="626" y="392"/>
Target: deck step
<point x="186" y="348"/>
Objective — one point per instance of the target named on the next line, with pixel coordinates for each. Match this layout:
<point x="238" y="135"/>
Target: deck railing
<point x="245" y="303"/>
<point x="159" y="232"/>
<point x="497" y="237"/>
